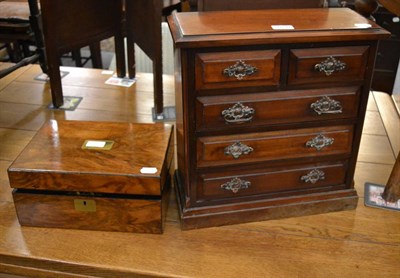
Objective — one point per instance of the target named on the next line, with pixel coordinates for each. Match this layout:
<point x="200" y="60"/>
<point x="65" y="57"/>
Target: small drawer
<point x="215" y="112"/>
<point x="237" y="69"/>
<point x="333" y="64"/>
<point x="275" y="145"/>
<point x="274" y="181"/>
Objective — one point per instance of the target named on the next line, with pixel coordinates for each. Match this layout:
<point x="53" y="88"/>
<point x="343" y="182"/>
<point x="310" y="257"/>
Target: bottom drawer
<point x="282" y="181"/>
<point x="108" y="212"/>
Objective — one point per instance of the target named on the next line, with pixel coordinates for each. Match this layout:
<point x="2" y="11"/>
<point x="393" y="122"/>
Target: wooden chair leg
<point x="55" y="80"/>
<point x="95" y="55"/>
<point x="14" y="52"/>
<point x="148" y="38"/>
<point x="120" y="55"/>
<point x="158" y="84"/>
<point x="25" y="49"/>
<point x="77" y="57"/>
<point x="131" y="56"/>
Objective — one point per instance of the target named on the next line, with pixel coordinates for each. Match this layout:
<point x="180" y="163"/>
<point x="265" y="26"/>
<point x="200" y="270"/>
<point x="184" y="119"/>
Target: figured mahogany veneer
<point x="269" y="118"/>
<point x="209" y="65"/>
<point x="59" y="182"/>
<point x="275" y="145"/>
<point x="302" y="64"/>
<point x="282" y="181"/>
<point x="274" y="108"/>
<point x="128" y="214"/>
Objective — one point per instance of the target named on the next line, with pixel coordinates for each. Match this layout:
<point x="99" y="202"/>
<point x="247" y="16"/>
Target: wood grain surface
<point x="364" y="242"/>
<point x="56" y="160"/>
<point x="110" y="214"/>
<point x="257" y="26"/>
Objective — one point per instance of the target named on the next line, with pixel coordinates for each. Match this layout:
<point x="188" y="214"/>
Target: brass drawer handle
<point x="313" y="176"/>
<point x="235" y="185"/>
<point x="330" y="65"/>
<point x="237" y="149"/>
<point x="319" y="142"/>
<point x="326" y="105"/>
<point x="239" y="70"/>
<point x="238" y="114"/>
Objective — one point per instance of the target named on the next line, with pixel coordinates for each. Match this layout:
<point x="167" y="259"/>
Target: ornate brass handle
<point x="235" y="185"/>
<point x="330" y="65"/>
<point x="237" y="149"/>
<point x="320" y="142"/>
<point x="238" y="114"/>
<point x="313" y="176"/>
<point x="326" y="105"/>
<point x="239" y="70"/>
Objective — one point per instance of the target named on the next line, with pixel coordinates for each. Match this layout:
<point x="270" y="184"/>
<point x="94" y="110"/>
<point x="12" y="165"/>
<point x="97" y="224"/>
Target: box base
<point x="101" y="212"/>
<point x="227" y="214"/>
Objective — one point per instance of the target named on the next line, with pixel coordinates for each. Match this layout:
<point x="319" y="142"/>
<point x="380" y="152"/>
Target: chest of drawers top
<point x="224" y="28"/>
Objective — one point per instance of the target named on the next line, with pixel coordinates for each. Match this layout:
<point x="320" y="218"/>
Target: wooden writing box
<point x="66" y="178"/>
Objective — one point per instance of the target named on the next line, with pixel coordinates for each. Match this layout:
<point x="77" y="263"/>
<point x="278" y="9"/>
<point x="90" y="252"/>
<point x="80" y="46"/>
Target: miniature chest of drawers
<point x="95" y="176"/>
<point x="270" y="109"/>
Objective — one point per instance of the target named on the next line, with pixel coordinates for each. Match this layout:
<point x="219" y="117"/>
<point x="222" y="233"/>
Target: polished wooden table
<point x="362" y="243"/>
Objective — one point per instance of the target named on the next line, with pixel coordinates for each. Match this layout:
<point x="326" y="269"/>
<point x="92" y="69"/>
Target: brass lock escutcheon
<point x="238" y="114"/>
<point x="236" y="184"/>
<point x="330" y="65"/>
<point x="85" y="205"/>
<point x="239" y="70"/>
<point x="313" y="176"/>
<point x="319" y="142"/>
<point x="326" y="105"/>
<point x="237" y="149"/>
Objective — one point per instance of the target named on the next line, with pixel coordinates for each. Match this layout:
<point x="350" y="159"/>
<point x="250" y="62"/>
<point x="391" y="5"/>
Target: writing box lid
<point x="106" y="157"/>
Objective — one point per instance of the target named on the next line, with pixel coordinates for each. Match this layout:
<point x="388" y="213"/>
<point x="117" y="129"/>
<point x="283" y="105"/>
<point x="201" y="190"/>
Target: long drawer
<point x="214" y="112"/>
<point x="330" y="64"/>
<point x="237" y="69"/>
<point x="274" y="181"/>
<point x="275" y="145"/>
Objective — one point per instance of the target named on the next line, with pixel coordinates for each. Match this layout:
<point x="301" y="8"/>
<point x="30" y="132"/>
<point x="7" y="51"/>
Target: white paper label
<point x="362" y="25"/>
<point x="117" y="81"/>
<point x="107" y="72"/>
<point x="282" y="27"/>
<point x="148" y="170"/>
<point x="95" y="144"/>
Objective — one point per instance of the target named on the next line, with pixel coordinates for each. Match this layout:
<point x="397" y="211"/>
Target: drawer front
<point x="276" y="108"/>
<point x="237" y="69"/>
<point x="231" y="184"/>
<point x="276" y="145"/>
<point x="332" y="64"/>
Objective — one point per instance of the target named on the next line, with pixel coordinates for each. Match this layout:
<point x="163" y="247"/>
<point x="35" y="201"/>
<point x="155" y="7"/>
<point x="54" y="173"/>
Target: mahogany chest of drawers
<point x="270" y="109"/>
<point x="94" y="175"/>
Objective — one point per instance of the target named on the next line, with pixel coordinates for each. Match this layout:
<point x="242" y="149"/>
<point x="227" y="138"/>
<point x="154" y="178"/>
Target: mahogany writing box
<point x="94" y="175"/>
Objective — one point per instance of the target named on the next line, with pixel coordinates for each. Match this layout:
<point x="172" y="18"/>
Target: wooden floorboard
<point x="396" y="99"/>
<point x="364" y="242"/>
<point x="390" y="117"/>
<point x="12" y="76"/>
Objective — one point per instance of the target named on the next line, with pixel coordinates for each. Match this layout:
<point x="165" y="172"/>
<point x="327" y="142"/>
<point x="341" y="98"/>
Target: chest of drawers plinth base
<point x="266" y="209"/>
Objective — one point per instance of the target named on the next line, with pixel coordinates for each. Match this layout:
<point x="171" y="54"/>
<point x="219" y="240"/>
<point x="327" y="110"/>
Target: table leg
<point x="392" y="188"/>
